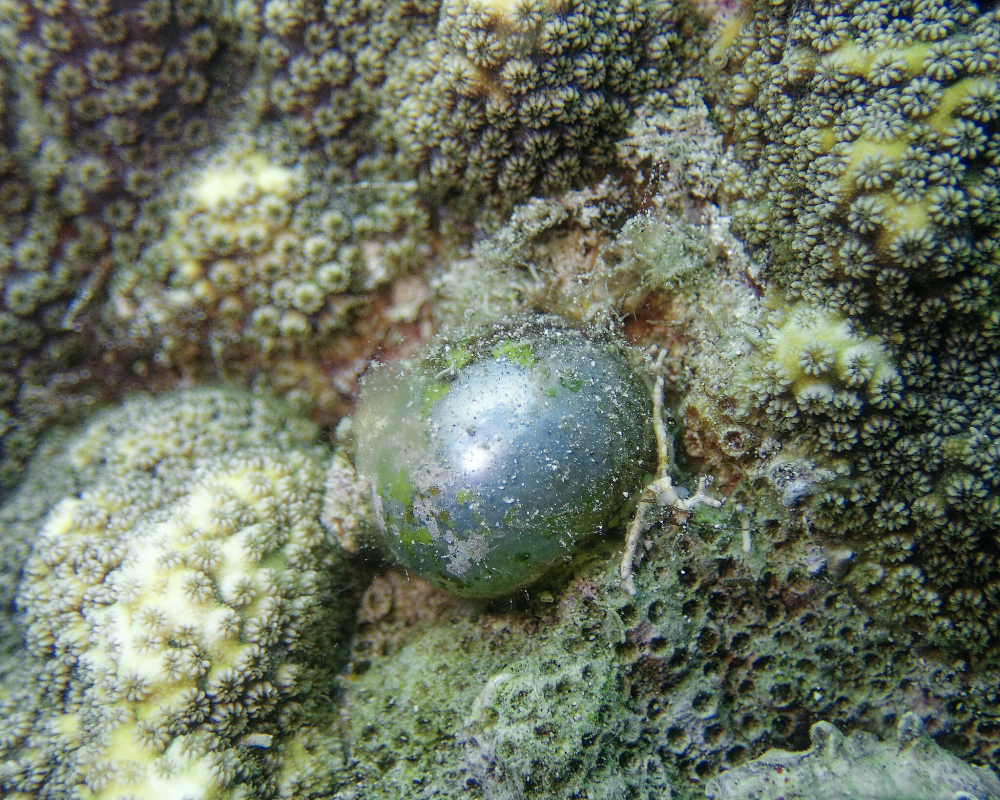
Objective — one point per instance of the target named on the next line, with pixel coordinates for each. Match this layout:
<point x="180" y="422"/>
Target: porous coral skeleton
<point x="660" y="493"/>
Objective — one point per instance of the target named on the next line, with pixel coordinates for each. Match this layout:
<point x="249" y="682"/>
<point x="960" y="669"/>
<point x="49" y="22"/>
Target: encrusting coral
<point x="326" y="65"/>
<point x="101" y="102"/>
<point x="264" y="259"/>
<point x="868" y="137"/>
<point x="491" y="101"/>
<point x="910" y="767"/>
<point x="40" y="270"/>
<point x="510" y="98"/>
<point x="178" y="604"/>
<point x="109" y="110"/>
<point x="115" y="93"/>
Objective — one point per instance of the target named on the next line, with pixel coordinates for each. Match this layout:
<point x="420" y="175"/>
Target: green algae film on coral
<point x="485" y="475"/>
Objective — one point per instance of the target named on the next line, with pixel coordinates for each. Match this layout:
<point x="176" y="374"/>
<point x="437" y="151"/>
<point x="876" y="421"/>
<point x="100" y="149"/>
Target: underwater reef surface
<point x="215" y="214"/>
<point x="858" y="766"/>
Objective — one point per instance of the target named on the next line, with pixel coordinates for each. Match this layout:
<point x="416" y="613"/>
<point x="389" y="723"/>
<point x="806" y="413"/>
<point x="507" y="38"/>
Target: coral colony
<point x="488" y="399"/>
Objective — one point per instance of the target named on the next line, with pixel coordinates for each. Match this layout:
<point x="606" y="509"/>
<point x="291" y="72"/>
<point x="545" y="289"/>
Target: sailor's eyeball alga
<point x="493" y="453"/>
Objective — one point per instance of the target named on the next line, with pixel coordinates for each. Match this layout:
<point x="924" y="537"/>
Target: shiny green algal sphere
<point x="497" y="450"/>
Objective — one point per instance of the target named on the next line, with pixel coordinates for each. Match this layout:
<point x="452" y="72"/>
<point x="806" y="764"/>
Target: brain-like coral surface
<point x="177" y="604"/>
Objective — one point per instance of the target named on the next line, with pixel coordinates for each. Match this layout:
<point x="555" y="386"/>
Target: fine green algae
<point x="458" y="357"/>
<point x="570" y="379"/>
<point x="520" y="353"/>
<point x="409" y="536"/>
<point x="431" y="394"/>
<point x="400" y="488"/>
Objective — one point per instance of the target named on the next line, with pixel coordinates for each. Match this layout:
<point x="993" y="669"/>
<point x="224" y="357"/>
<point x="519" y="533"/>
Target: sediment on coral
<point x="609" y="253"/>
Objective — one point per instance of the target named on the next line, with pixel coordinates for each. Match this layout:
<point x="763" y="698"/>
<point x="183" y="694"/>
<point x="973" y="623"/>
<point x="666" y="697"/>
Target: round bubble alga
<point x="498" y="449"/>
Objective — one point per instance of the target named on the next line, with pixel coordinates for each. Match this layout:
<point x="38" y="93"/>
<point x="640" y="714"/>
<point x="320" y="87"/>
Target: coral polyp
<point x="493" y="454"/>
